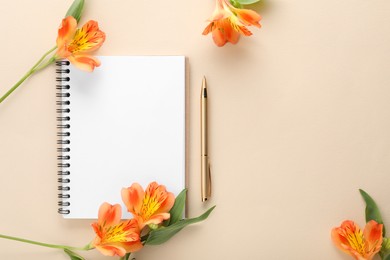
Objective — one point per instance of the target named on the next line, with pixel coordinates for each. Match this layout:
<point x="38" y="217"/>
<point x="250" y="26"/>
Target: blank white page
<point x="127" y="124"/>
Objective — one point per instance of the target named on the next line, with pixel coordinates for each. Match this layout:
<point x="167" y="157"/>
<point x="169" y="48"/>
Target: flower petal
<point x="87" y="39"/>
<point x="245" y="16"/>
<point x="84" y="62"/>
<point x="109" y="214"/>
<point x="157" y="219"/>
<point x="373" y="236"/>
<point x="208" y="29"/>
<point x="339" y="237"/>
<point x="150" y="206"/>
<point x="219" y="36"/>
<point x="111" y="250"/>
<point x="159" y="192"/>
<point x="119" y="239"/>
<point x="248" y="17"/>
<point x="133" y="197"/>
<point x="231" y="34"/>
<point x="133" y="246"/>
<point x="225" y="33"/>
<point x="66" y="31"/>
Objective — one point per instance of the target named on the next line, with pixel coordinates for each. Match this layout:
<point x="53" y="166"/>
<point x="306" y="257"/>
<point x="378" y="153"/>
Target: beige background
<point x="299" y="117"/>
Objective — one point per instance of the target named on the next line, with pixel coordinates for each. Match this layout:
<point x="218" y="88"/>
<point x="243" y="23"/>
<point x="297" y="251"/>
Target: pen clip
<point x="209" y="180"/>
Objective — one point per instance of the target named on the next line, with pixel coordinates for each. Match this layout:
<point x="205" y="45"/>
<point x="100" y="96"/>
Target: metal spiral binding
<point x="63" y="133"/>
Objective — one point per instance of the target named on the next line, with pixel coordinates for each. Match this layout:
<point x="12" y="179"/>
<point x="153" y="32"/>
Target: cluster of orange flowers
<point x="226" y="24"/>
<point x="149" y="207"/>
<point x="157" y="216"/>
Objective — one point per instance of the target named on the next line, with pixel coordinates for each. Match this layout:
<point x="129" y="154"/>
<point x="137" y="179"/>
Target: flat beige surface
<point x="299" y="117"/>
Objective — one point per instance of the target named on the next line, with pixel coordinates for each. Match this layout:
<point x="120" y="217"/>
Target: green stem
<point x="44" y="65"/>
<point x="44" y="56"/>
<point x="44" y="244"/>
<point x="38" y="66"/>
<point x="125" y="257"/>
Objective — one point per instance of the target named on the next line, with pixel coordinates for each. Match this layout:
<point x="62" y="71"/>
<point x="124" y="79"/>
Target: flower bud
<point x="153" y="226"/>
<point x="236" y="3"/>
<point x="386" y="244"/>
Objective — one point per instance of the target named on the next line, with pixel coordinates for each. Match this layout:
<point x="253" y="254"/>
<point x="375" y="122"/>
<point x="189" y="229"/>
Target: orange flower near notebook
<point x="77" y="44"/>
<point x="228" y="22"/>
<point x="116" y="237"/>
<point x="151" y="206"/>
<point x="73" y="44"/>
<point x="157" y="213"/>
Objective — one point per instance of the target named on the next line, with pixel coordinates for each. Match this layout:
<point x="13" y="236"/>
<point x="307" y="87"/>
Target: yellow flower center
<point x="84" y="39"/>
<point x="118" y="233"/>
<point x="150" y="205"/>
<point x="356" y="241"/>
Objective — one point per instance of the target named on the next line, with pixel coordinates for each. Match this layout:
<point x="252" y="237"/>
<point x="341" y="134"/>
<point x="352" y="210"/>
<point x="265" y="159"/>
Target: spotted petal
<point x="115" y="237"/>
<point x="87" y="39"/>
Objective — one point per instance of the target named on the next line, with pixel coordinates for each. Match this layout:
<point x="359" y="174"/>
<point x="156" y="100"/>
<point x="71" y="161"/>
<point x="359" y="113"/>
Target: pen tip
<point x="204" y="88"/>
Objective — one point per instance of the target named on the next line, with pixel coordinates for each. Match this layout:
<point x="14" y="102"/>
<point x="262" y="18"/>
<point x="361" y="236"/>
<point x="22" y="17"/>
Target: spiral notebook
<point x="122" y="123"/>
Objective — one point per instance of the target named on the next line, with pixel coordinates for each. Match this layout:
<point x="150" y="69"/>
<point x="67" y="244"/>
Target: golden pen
<point x="205" y="165"/>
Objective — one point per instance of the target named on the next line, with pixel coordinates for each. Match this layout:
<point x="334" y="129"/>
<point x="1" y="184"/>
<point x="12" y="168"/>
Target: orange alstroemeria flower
<point x="362" y="245"/>
<point x="228" y="22"/>
<point x="77" y="44"/>
<point x="151" y="206"/>
<point x="115" y="237"/>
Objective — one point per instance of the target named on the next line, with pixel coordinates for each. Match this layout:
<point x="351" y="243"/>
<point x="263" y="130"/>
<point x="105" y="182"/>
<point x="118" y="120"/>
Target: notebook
<point x="122" y="123"/>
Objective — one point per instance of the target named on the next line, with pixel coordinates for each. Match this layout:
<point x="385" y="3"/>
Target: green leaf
<point x="372" y="210"/>
<point x="247" y="2"/>
<point x="76" y="9"/>
<point x="73" y="255"/>
<point x="178" y="208"/>
<point x="163" y="234"/>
